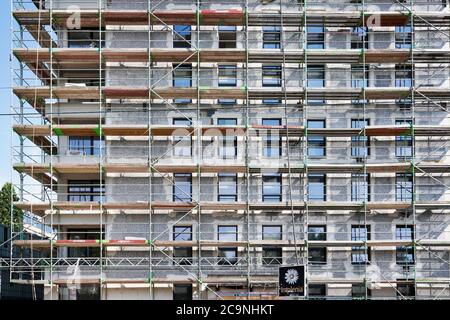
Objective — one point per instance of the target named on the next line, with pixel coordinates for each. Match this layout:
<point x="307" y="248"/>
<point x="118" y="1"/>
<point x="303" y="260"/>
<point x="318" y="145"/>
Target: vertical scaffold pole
<point x="51" y="149"/>
<point x="101" y="137"/>
<point x="247" y="152"/>
<point x="413" y="142"/>
<point x="199" y="153"/>
<point x="305" y="145"/>
<point x="150" y="154"/>
<point x="366" y="182"/>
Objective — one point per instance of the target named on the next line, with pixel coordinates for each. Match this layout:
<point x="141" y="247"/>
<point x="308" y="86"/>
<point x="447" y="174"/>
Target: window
<point x="227" y="189"/>
<point x="182" y="187"/>
<point x="271" y="144"/>
<point x="359" y="38"/>
<point x="227" y="256"/>
<point x="382" y="78"/>
<point x="182" y="145"/>
<point x="272" y="232"/>
<point x="404" y="143"/>
<point x="272" y="188"/>
<point x="83" y="234"/>
<point x="85" y="190"/>
<point x="403" y="76"/>
<point x="360" y="76"/>
<point x="315" y="37"/>
<point x="403" y="187"/>
<point x="405" y="289"/>
<point x="360" y="255"/>
<point x="317" y="291"/>
<point x="317" y="255"/>
<point x="228" y="143"/>
<point x="93" y="79"/>
<point x="317" y="187"/>
<point x="227" y="121"/>
<point x="404" y="104"/>
<point x="85" y="38"/>
<point x="404" y="254"/>
<point x="360" y="291"/>
<point x="182" y="292"/>
<point x="271" y="37"/>
<point x="271" y="101"/>
<point x="227" y="37"/>
<point x="88" y="146"/>
<point x="182" y="78"/>
<point x="182" y="255"/>
<point x="316" y="76"/>
<point x="317" y="233"/>
<point x="82" y="292"/>
<point x="181" y="36"/>
<point x="227" y="76"/>
<point x="360" y="185"/>
<point x="360" y="143"/>
<point x="227" y="233"/>
<point x="271" y="76"/>
<point x="227" y="102"/>
<point x="272" y="255"/>
<point x="316" y="144"/>
<point x="403" y="37"/>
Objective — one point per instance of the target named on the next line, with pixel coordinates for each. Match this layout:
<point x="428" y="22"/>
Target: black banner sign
<point x="291" y="281"/>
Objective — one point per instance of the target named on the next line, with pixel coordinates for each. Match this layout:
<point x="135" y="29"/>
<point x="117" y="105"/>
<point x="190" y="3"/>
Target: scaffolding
<point x="329" y="119"/>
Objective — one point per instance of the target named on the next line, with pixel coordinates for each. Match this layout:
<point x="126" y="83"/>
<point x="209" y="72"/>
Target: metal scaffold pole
<point x="101" y="118"/>
<point x="199" y="153"/>
<point x="305" y="147"/>
<point x="51" y="152"/>
<point x="413" y="145"/>
<point x="150" y="153"/>
<point x="247" y="152"/>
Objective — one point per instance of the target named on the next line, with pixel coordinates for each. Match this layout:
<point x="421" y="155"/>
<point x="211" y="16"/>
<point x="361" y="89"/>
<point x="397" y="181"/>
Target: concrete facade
<point x="385" y="202"/>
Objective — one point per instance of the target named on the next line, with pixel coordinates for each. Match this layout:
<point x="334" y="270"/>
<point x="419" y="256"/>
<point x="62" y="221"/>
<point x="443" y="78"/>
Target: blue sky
<point x="5" y="121"/>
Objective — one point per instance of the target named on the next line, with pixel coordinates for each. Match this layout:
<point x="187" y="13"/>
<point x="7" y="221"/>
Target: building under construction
<point x="189" y="149"/>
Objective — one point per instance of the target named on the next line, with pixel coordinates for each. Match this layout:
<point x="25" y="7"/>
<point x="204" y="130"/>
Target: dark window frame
<point x="317" y="145"/>
<point x="182" y="295"/>
<point x="272" y="197"/>
<point x="315" y="39"/>
<point x="230" y="79"/>
<point x="91" y="148"/>
<point x="403" y="144"/>
<point x="230" y="35"/>
<point x="222" y="251"/>
<point x="271" y="76"/>
<point x="356" y="194"/>
<point x="271" y="37"/>
<point x="225" y="140"/>
<point x="403" y="187"/>
<point x="177" y="70"/>
<point x="323" y="178"/>
<point x="317" y="255"/>
<point x="272" y="146"/>
<point x="314" y="81"/>
<point x="360" y="255"/>
<point x="405" y="255"/>
<point x="360" y="145"/>
<point x="227" y="197"/>
<point x="180" y="32"/>
<point x="94" y="190"/>
<point x="182" y="255"/>
<point x="317" y="291"/>
<point x="181" y="150"/>
<point x="183" y="197"/>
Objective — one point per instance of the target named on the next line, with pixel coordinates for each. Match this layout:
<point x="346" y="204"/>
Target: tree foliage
<point x="5" y="207"/>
